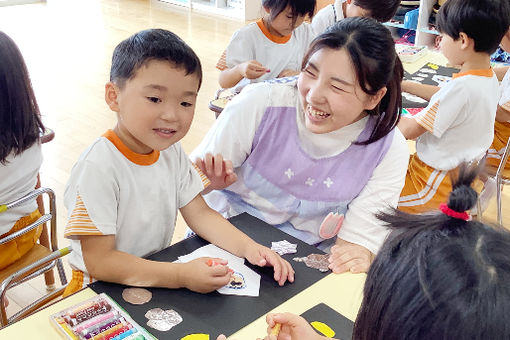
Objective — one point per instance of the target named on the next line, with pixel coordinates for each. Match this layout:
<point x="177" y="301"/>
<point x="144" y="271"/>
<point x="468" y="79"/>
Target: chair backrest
<point x="36" y="262"/>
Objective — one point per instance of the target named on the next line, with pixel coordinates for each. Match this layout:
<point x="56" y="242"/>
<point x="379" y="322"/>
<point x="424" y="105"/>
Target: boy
<point x="458" y="123"/>
<point x="124" y="191"/>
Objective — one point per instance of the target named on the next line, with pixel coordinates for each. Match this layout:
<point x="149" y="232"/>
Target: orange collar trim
<point x="486" y="72"/>
<point x="134" y="157"/>
<point x="272" y="37"/>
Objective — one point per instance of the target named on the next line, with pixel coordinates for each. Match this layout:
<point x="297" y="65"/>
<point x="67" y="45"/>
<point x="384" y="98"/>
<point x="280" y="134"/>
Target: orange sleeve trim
<point x="222" y="63"/>
<point x="205" y="180"/>
<point x="428" y="119"/>
<point x="79" y="222"/>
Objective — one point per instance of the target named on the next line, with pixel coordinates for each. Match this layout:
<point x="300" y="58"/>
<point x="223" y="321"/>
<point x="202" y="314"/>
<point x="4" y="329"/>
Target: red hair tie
<point x="452" y="213"/>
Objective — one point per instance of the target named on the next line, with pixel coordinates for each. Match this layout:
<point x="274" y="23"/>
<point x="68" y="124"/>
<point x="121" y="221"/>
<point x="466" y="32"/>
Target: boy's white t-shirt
<point x="459" y="120"/>
<point x="114" y="191"/>
<point x="19" y="178"/>
<point x="504" y="100"/>
<point x="251" y="43"/>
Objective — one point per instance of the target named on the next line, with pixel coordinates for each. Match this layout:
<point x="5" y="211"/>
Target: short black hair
<point x="152" y="44"/>
<point x="380" y="10"/>
<point x="484" y="21"/>
<point x="438" y="277"/>
<point x="21" y="124"/>
<point x="298" y="7"/>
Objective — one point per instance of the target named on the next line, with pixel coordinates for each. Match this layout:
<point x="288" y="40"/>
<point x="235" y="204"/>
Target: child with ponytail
<point x="319" y="157"/>
<point x="438" y="276"/>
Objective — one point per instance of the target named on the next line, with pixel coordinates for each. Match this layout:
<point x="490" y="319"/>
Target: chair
<point x="37" y="261"/>
<point x="501" y="179"/>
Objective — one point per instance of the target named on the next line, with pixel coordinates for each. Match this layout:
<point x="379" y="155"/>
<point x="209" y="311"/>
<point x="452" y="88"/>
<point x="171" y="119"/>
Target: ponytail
<point x="436" y="274"/>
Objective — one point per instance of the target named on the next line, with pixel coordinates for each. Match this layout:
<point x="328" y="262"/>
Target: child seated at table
<point x="438" y="276"/>
<point x="318" y="158"/>
<point x="20" y="151"/>
<point x="274" y="46"/>
<point x="457" y="125"/>
<point x="125" y="190"/>
<point x="502" y="123"/>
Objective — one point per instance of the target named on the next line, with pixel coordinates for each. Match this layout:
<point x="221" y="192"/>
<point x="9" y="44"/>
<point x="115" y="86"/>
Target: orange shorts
<point x="15" y="249"/>
<point x="78" y="281"/>
<point x="426" y="188"/>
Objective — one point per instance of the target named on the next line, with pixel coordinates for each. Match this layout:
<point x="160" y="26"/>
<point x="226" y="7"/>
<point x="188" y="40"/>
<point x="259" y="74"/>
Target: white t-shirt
<point x="19" y="177"/>
<point x="459" y="120"/>
<point x="253" y="42"/>
<point x="114" y="191"/>
<point x="504" y="100"/>
<point x="234" y="131"/>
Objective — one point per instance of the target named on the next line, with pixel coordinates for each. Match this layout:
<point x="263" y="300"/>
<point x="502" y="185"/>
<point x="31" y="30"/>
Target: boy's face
<point x="155" y="107"/>
<point x="451" y="49"/>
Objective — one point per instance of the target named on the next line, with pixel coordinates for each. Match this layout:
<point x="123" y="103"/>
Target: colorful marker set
<point x="99" y="318"/>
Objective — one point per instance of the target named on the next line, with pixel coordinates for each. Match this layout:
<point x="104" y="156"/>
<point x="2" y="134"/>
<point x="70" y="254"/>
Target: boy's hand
<point x="293" y="327"/>
<point x="219" y="171"/>
<point x="346" y="256"/>
<point x="262" y="256"/>
<point x="200" y="277"/>
<point x="288" y="73"/>
<point x="252" y="69"/>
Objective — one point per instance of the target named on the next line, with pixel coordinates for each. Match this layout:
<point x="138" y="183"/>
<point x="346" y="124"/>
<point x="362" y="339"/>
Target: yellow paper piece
<point x="196" y="337"/>
<point x="323" y="329"/>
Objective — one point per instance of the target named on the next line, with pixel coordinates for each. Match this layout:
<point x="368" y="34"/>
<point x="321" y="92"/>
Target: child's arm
<point x="502" y="115"/>
<point x="288" y="73"/>
<point x="500" y="72"/>
<point x="105" y="263"/>
<point x="424" y="91"/>
<point x="250" y="69"/>
<point x="410" y="128"/>
<point x="211" y="226"/>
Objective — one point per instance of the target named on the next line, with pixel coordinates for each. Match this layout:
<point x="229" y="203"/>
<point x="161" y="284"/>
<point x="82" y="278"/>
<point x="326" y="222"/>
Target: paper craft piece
<point x="328" y="322"/>
<point x="136" y="296"/>
<point x="211" y="250"/>
<point x="323" y="329"/>
<point x="196" y="337"/>
<point x="244" y="282"/>
<point x="162" y="320"/>
<point x="317" y="261"/>
<point x="284" y="247"/>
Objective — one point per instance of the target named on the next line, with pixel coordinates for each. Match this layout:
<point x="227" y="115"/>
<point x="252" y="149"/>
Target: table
<point x="213" y="313"/>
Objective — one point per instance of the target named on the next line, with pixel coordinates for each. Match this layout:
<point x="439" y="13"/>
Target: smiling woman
<point x="329" y="140"/>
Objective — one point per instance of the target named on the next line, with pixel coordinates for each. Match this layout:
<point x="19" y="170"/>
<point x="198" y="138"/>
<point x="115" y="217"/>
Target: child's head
<point x="154" y="81"/>
<point x="484" y="22"/>
<point x="380" y="10"/>
<point x="439" y="277"/>
<point x="505" y="41"/>
<point x="286" y="15"/>
<point x="21" y="124"/>
<point x="350" y="71"/>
